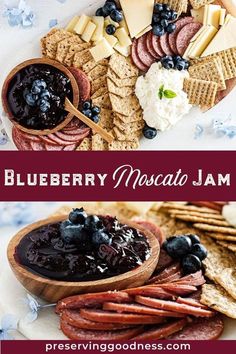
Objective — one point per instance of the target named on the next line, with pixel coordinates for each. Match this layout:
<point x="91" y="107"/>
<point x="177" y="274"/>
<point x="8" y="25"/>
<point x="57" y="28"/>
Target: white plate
<point x="181" y="137"/>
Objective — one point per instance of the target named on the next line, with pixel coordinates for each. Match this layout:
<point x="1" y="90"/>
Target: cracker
<point x="123" y="66"/>
<point x="96" y="72"/>
<point x="53" y="40"/>
<point x="210" y="70"/>
<point x="131" y="127"/>
<point x="125" y="145"/>
<point x="201" y="92"/>
<point x="98" y="83"/>
<point x="218" y="299"/>
<point x="80" y="58"/>
<point x="126" y="136"/>
<point x="189" y="208"/>
<point x="98" y="144"/>
<point x="106" y="119"/>
<point x="228" y="60"/>
<point x="72" y="50"/>
<point x="119" y="91"/>
<point x="85" y="145"/>
<point x="221" y="237"/>
<point x="203" y="220"/>
<point x="227" y="279"/>
<point x="128" y="82"/>
<point x="221" y="230"/>
<point x="195" y="213"/>
<point x="196" y="4"/>
<point x="100" y="92"/>
<point x="64" y="45"/>
<point x="126" y="106"/>
<point x="228" y="245"/>
<point x="102" y="101"/>
<point x="90" y="65"/>
<point x="178" y="5"/>
<point x="136" y="117"/>
<point x="43" y="41"/>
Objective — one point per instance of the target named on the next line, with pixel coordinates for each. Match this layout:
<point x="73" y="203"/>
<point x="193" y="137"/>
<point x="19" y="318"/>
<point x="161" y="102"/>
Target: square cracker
<point x="98" y="71"/>
<point x="126" y="136"/>
<point x="98" y="83"/>
<point x="53" y="40"/>
<point x="100" y="92"/>
<point x="122" y="66"/>
<point x="126" y="106"/>
<point x="227" y="279"/>
<point x="72" y="50"/>
<point x="86" y="145"/>
<point x="102" y="101"/>
<point x="106" y="119"/>
<point x="196" y="4"/>
<point x="228" y="61"/>
<point x="136" y="117"/>
<point x="64" y="45"/>
<point x="44" y="39"/>
<point x="98" y="144"/>
<point x="128" y="127"/>
<point x="90" y="65"/>
<point x="128" y="82"/>
<point x="201" y="92"/>
<point x="80" y="58"/>
<point x="119" y="91"/>
<point x="122" y="146"/>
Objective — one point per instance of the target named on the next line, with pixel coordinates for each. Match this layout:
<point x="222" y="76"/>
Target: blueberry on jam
<point x="77" y="216"/>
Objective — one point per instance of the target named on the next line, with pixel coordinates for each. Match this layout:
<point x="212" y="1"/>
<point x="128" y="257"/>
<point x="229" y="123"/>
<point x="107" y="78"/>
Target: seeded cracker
<point x="86" y="145"/>
<point x="98" y="83"/>
<point x="43" y="41"/>
<point x="126" y="106"/>
<point x="128" y="82"/>
<point x="122" y="66"/>
<point x="196" y="4"/>
<point x="106" y="119"/>
<point x="228" y="245"/>
<point x="206" y="220"/>
<point x="119" y="91"/>
<point x="64" y="45"/>
<point x="131" y="127"/>
<point x="90" y="65"/>
<point x="121" y="146"/>
<point x="136" y="117"/>
<point x="195" y="213"/>
<point x="53" y="40"/>
<point x="98" y="144"/>
<point x="177" y="5"/>
<point x="81" y="58"/>
<point x="227" y="279"/>
<point x="218" y="299"/>
<point x="102" y="101"/>
<point x="200" y="92"/>
<point x="179" y="206"/>
<point x="126" y="136"/>
<point x="100" y="92"/>
<point x="72" y="50"/>
<point x="98" y="71"/>
<point x="222" y="230"/>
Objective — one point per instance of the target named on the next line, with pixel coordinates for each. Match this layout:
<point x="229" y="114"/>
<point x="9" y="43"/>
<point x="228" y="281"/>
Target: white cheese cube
<point x="125" y="51"/>
<point x="102" y="50"/>
<point x="123" y="37"/>
<point x="71" y="25"/>
<point x="112" y="40"/>
<point x="81" y="24"/>
<point x="99" y="22"/>
<point x="88" y="32"/>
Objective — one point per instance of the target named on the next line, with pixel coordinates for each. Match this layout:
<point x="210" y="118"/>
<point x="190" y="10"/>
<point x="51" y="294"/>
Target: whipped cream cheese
<point x="229" y="213"/>
<point x="162" y="113"/>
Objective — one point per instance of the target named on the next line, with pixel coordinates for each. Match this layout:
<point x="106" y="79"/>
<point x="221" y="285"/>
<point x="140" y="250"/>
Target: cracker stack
<point x="180" y="6"/>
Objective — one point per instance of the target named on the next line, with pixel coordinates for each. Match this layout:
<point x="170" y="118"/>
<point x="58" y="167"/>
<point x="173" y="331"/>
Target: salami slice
<point x="157" y="46"/>
<point x="185" y="35"/>
<point x="154" y="229"/>
<point x="83" y="133"/>
<point x="111" y="317"/>
<point x="164" y="43"/>
<point x="37" y="146"/>
<point x="150" y="47"/>
<point x="80" y="334"/>
<point x="70" y="147"/>
<point x="135" y="308"/>
<point x="146" y="58"/>
<point x="163" y="331"/>
<point x="49" y="147"/>
<point x="73" y="318"/>
<point x="173" y="306"/>
<point x="46" y="140"/>
<point x="201" y="329"/>
<point x="58" y="140"/>
<point x="83" y="83"/>
<point x="135" y="58"/>
<point x="173" y="36"/>
<point x="91" y="300"/>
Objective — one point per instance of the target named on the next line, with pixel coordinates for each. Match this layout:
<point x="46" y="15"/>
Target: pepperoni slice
<point x="173" y="36"/>
<point x="80" y="334"/>
<point x="164" y="43"/>
<point x="163" y="331"/>
<point x="111" y="317"/>
<point x="154" y="229"/>
<point x="201" y="329"/>
<point x="146" y="58"/>
<point x="136" y="60"/>
<point x="185" y="35"/>
<point x="83" y="83"/>
<point x="150" y="47"/>
<point x="157" y="46"/>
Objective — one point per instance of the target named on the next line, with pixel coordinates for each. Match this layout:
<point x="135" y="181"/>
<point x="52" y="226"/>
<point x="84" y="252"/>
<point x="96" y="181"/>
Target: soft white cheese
<point x="163" y="113"/>
<point x="229" y="213"/>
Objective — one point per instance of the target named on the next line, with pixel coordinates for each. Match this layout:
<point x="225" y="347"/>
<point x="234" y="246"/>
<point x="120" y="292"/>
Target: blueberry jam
<point x="83" y="248"/>
<point x="36" y="96"/>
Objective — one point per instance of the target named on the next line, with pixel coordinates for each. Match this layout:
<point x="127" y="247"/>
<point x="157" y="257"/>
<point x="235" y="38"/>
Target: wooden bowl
<point x="55" y="64"/>
<point x="53" y="290"/>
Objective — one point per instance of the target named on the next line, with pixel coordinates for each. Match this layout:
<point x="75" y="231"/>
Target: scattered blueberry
<point x="95" y="119"/>
<point x="191" y="264"/>
<point x="158" y="8"/>
<point x="111" y="29"/>
<point x="200" y="251"/>
<point x="166" y="7"/>
<point x="171" y="27"/>
<point x="174" y="16"/>
<point x="116" y="16"/>
<point x="108" y="8"/>
<point x="179" y="246"/>
<point x="158" y="30"/>
<point x="162" y="20"/>
<point x="175" y="62"/>
<point x="93" y="223"/>
<point x="100" y="12"/>
<point x="100" y="237"/>
<point x="180" y="65"/>
<point x="96" y="110"/>
<point x="194" y="238"/>
<point x="168" y="62"/>
<point x="78" y="216"/>
<point x="87" y="113"/>
<point x="156" y="18"/>
<point x="87" y="105"/>
<point x="149" y="133"/>
<point x="164" y="23"/>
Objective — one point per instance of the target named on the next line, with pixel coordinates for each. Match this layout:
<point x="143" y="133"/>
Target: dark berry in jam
<point x="93" y="223"/>
<point x="99" y="238"/>
<point x="36" y="96"/>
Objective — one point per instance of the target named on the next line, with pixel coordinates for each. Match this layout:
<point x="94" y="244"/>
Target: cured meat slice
<point x="49" y="147"/>
<point x="111" y="317"/>
<point x="83" y="133"/>
<point x="164" y="261"/>
<point x="157" y="46"/>
<point x="185" y="35"/>
<point x="19" y="141"/>
<point x="201" y="329"/>
<point x="152" y="291"/>
<point x="45" y="139"/>
<point x="136" y="60"/>
<point x="209" y="205"/>
<point x="135" y="308"/>
<point x="91" y="300"/>
<point x="173" y="36"/>
<point x="163" y="331"/>
<point x="196" y="279"/>
<point x="146" y="58"/>
<point x="80" y="334"/>
<point x="191" y="302"/>
<point x="73" y="318"/>
<point x="164" y="43"/>
<point x="173" y="306"/>
<point x="58" y="140"/>
<point x="179" y="289"/>
<point x="150" y="46"/>
<point x="154" y="229"/>
<point x="37" y="146"/>
<point x="83" y="83"/>
<point x="70" y="147"/>
<point x="170" y="279"/>
<point x="169" y="271"/>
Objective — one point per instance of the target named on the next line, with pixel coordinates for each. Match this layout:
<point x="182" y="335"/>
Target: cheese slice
<point x="125" y="51"/>
<point x="124" y="25"/>
<point x="112" y="40"/>
<point x="102" y="50"/>
<point x="71" y="25"/>
<point x="222" y="16"/>
<point x="198" y="15"/>
<point x="89" y="31"/>
<point x="138" y="14"/>
<point x="202" y="41"/>
<point x="143" y="32"/>
<point x="123" y="37"/>
<point x="99" y="22"/>
<point x="81" y="24"/>
<point x="212" y="15"/>
<point x="225" y="39"/>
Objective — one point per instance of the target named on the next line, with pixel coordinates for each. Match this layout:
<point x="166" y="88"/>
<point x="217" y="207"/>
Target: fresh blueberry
<point x="95" y="119"/>
<point x="164" y="245"/>
<point x="30" y="99"/>
<point x="180" y="65"/>
<point x="158" y="30"/>
<point x="93" y="223"/>
<point x="171" y="27"/>
<point x="110" y="30"/>
<point x="39" y="83"/>
<point x="166" y="7"/>
<point x="44" y="105"/>
<point x="191" y="264"/>
<point x="158" y="8"/>
<point x="36" y="90"/>
<point x="108" y="8"/>
<point x="45" y="94"/>
<point x="164" y="23"/>
<point x="149" y="133"/>
<point x="87" y="113"/>
<point x="87" y="105"/>
<point x="174" y="16"/>
<point x="156" y="18"/>
<point x="70" y="232"/>
<point x="177" y="58"/>
<point x="96" y="110"/>
<point x="166" y="15"/>
<point x="100" y="237"/>
<point x="78" y="216"/>
<point x="168" y="62"/>
<point x="100" y="12"/>
<point x="187" y="64"/>
<point x="200" y="251"/>
<point x="116" y="16"/>
<point x="194" y="238"/>
<point x="179" y="246"/>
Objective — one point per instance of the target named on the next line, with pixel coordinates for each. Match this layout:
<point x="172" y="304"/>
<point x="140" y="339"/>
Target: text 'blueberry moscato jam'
<point x="36" y="96"/>
<point x="83" y="248"/>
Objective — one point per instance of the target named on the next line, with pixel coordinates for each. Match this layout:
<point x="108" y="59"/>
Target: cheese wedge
<point x="112" y="40"/>
<point x="98" y="33"/>
<point x="202" y="41"/>
<point x="81" y="24"/>
<point x="102" y="50"/>
<point x="123" y="37"/>
<point x="198" y="15"/>
<point x="138" y="14"/>
<point x="71" y="25"/>
<point x="212" y="15"/>
<point x="225" y="39"/>
<point x="125" y="51"/>
<point x="143" y="32"/>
